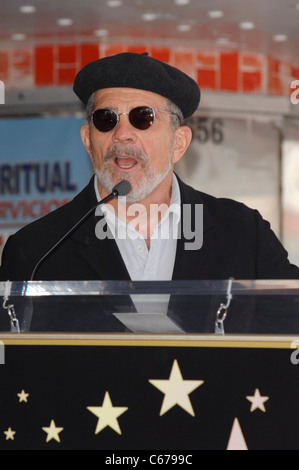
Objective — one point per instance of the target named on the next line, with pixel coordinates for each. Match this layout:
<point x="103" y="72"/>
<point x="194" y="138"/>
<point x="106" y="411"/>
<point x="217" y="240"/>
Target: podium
<point x="164" y="367"/>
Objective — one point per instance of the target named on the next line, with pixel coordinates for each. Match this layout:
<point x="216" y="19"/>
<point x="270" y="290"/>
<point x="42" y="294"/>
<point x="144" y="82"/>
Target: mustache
<point x="129" y="150"/>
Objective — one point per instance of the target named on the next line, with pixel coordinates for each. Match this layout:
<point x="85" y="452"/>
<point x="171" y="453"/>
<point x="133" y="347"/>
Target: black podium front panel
<point x="148" y="393"/>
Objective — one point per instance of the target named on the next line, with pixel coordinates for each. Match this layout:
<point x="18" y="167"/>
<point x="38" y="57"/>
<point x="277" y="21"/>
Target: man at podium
<point x="158" y="228"/>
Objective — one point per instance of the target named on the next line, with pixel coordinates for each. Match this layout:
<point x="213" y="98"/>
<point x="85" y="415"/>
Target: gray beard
<point x="145" y="185"/>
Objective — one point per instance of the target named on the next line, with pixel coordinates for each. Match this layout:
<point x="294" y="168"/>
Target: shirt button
<point x="140" y="248"/>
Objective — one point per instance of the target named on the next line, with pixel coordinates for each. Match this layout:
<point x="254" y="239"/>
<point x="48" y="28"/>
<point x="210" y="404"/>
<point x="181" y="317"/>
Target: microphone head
<point x="122" y="188"/>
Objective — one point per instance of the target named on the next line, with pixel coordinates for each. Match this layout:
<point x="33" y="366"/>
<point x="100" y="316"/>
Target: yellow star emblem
<point x="176" y="390"/>
<point x="23" y="396"/>
<point x="107" y="414"/>
<point x="10" y="434"/>
<point x="52" y="432"/>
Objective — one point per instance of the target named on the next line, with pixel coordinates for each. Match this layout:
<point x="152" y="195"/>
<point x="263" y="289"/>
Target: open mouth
<point x="125" y="163"/>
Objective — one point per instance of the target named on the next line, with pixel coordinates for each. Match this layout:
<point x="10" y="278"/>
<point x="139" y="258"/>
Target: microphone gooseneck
<point x="120" y="189"/>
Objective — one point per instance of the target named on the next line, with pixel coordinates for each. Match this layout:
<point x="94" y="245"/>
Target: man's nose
<point x="124" y="131"/>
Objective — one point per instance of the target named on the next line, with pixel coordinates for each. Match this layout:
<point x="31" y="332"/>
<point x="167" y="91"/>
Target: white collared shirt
<point x="145" y="264"/>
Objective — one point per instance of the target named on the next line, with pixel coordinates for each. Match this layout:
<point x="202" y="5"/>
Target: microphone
<point x="121" y="189"/>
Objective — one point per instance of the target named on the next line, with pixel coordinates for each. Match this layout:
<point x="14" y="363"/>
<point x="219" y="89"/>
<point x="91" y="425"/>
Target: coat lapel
<point x="191" y="263"/>
<point x="105" y="259"/>
<point x="102" y="256"/>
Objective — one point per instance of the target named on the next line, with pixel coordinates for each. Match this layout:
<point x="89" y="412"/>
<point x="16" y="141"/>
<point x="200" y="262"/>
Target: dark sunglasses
<point x="142" y="118"/>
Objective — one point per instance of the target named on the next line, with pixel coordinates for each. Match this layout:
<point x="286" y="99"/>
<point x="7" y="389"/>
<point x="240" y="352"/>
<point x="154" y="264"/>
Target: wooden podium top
<point x="167" y="340"/>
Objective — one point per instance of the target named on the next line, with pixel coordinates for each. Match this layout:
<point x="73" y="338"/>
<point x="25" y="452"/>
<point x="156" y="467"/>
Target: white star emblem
<point x="52" y="432"/>
<point x="176" y="390"/>
<point x="23" y="396"/>
<point x="257" y="401"/>
<point x="107" y="414"/>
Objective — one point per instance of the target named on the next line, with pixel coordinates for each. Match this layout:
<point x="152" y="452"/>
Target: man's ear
<point x="183" y="137"/>
<point x="85" y="136"/>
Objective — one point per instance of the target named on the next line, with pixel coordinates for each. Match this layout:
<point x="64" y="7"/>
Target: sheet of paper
<point x="148" y="323"/>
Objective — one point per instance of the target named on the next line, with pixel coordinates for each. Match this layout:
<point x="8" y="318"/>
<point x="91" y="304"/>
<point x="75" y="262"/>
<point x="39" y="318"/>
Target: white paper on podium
<point x="150" y="316"/>
<point x="148" y="322"/>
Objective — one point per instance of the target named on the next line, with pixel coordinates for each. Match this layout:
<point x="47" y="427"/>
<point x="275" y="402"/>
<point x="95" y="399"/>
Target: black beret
<point x="130" y="70"/>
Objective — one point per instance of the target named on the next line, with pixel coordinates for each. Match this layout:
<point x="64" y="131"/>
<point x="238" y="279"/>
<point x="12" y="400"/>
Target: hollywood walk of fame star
<point x="10" y="434"/>
<point x="23" y="396"/>
<point x="107" y="414"/>
<point x="257" y="401"/>
<point x="52" y="432"/>
<point x="237" y="440"/>
<point x="176" y="390"/>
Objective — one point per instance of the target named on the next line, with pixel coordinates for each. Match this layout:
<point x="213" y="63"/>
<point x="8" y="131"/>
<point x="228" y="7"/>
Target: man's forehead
<point x="116" y="96"/>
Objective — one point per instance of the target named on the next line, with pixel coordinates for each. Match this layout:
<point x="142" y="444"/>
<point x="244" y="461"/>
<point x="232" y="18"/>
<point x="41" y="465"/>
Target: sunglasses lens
<point x="105" y="119"/>
<point x="142" y="117"/>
